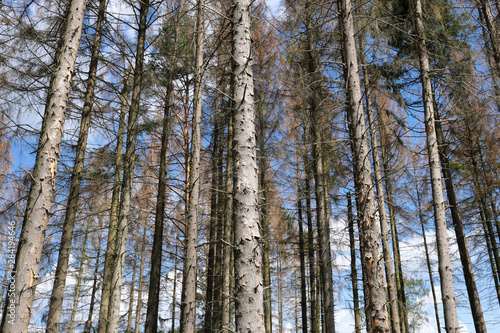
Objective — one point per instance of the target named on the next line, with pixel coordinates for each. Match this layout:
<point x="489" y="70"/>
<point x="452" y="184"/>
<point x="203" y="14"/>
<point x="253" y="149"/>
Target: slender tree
<point x="188" y="320"/>
<point x="42" y="188"/>
<point x="128" y="175"/>
<point x="376" y="310"/>
<point x="445" y="269"/>
<point x="56" y="300"/>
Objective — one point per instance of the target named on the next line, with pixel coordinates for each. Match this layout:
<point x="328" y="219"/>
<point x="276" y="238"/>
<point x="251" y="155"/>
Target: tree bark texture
<point x="56" y="299"/>
<point x="41" y="194"/>
<point x="386" y="251"/>
<point x="249" y="310"/>
<point x="376" y="308"/>
<point x="445" y="269"/>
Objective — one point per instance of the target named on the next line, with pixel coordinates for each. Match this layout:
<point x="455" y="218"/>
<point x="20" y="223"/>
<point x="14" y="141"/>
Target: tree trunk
<point x="354" y="274"/>
<point x="314" y="99"/>
<point x="398" y="269"/>
<point x="151" y="325"/>
<point x="445" y="269"/>
<point x="228" y="230"/>
<point x="310" y="251"/>
<point x="247" y="243"/>
<point x="128" y="175"/>
<point x="376" y="309"/>
<point x="110" y="254"/>
<point x="264" y="216"/>
<point x="17" y="309"/>
<point x="56" y="299"/>
<point x="463" y="249"/>
<point x="189" y="303"/>
<point x="391" y="288"/>
<point x="208" y="327"/>
<point x="303" y="289"/>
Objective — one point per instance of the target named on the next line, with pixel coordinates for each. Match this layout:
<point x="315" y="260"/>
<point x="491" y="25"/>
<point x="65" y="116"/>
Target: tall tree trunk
<point x="56" y="299"/>
<point x="487" y="224"/>
<point x="445" y="269"/>
<point x="189" y="290"/>
<point x="264" y="216"/>
<point x="491" y="26"/>
<point x="151" y="324"/>
<point x="463" y="249"/>
<point x="109" y="257"/>
<point x="310" y="251"/>
<point x="398" y="269"/>
<point x="376" y="309"/>
<point x="303" y="288"/>
<point x="247" y="244"/>
<point x="391" y="288"/>
<point x="228" y="230"/>
<point x="209" y="306"/>
<point x="17" y="308"/>
<point x="128" y="175"/>
<point x="314" y="80"/>
<point x="426" y="248"/>
<point x="354" y="274"/>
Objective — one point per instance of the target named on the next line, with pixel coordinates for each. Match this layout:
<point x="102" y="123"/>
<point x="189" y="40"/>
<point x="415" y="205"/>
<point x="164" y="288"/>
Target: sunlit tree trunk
<point x="445" y="269"/>
<point x="247" y="239"/>
<point x="463" y="249"/>
<point x="41" y="194"/>
<point x="391" y="288"/>
<point x="56" y="299"/>
<point x="376" y="309"/>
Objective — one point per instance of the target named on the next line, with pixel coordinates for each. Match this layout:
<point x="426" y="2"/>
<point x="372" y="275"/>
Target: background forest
<point x="215" y="166"/>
